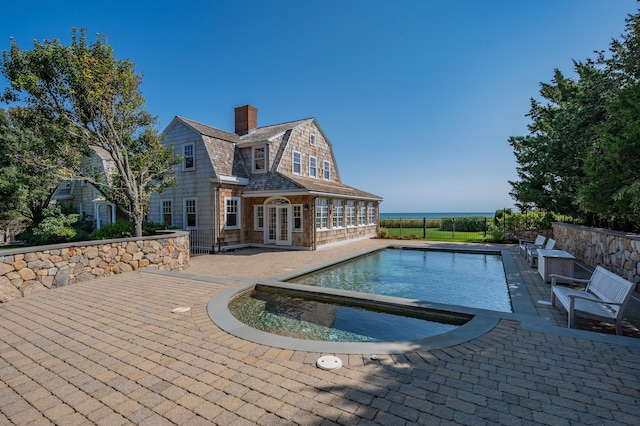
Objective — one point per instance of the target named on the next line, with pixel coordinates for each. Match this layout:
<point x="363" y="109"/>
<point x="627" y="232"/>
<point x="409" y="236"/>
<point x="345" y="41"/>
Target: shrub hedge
<point x="464" y="224"/>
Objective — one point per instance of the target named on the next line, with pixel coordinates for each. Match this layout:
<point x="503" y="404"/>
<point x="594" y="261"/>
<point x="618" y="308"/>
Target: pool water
<point x="302" y="318"/>
<point x="465" y="279"/>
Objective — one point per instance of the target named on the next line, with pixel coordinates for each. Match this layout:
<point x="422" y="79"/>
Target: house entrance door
<point x="278" y="224"/>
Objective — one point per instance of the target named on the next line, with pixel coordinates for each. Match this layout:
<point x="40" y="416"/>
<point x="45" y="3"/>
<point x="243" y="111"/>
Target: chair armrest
<point x="570" y="280"/>
<point x="604" y="302"/>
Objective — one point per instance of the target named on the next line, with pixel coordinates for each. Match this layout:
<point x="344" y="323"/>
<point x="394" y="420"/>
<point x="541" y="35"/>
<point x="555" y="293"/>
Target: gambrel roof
<point x="224" y="152"/>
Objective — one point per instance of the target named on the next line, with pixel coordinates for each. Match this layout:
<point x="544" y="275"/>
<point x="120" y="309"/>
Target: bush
<point x="463" y="224"/>
<point x="58" y="226"/>
<point x="120" y="229"/>
<point x="530" y="220"/>
<point x="409" y="223"/>
<point x="383" y="233"/>
<point x="150" y="228"/>
<point x="124" y="229"/>
<point x="495" y="236"/>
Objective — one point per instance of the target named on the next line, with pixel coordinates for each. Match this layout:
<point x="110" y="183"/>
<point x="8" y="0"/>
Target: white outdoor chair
<point x="604" y="299"/>
<point x="538" y="243"/>
<point x="532" y="252"/>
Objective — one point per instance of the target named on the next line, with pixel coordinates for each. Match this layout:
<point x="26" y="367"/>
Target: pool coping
<point x="482" y="322"/>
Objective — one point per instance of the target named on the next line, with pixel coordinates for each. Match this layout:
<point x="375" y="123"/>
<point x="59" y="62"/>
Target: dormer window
<point x="189" y="158"/>
<point x="259" y="154"/>
<point x="312" y="140"/>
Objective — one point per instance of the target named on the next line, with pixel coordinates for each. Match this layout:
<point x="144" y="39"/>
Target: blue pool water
<point x="301" y="318"/>
<point x="453" y="278"/>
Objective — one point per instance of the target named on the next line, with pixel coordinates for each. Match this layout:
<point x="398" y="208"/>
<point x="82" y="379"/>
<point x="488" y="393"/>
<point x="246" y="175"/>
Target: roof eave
<point x="272" y="193"/>
<point x="353" y="197"/>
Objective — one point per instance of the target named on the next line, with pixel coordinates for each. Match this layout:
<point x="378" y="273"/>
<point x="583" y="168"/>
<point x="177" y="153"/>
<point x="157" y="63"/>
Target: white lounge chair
<point x="538" y="243"/>
<point x="532" y="252"/>
<point x="604" y="299"/>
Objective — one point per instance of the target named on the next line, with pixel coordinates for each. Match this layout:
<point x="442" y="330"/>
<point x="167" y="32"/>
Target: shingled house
<point x="274" y="185"/>
<point x="85" y="197"/>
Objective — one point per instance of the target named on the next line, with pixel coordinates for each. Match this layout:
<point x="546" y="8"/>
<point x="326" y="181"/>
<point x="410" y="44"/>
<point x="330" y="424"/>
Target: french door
<point x="278" y="227"/>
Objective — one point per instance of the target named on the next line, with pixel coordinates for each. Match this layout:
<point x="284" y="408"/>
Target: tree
<point x="33" y="160"/>
<point x="85" y="90"/>
<point x="563" y="131"/>
<point x="581" y="155"/>
<point x="612" y="187"/>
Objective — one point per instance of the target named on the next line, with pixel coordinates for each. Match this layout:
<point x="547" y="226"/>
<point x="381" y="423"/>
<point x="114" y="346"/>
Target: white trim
<point x="324" y="207"/>
<point x="313" y="140"/>
<point x="304" y="191"/>
<point x="293" y="228"/>
<point x="265" y="159"/>
<point x="193" y="155"/>
<point x="184" y="212"/>
<point x="335" y="217"/>
<point x="231" y="180"/>
<point x="238" y="212"/>
<point x="312" y="157"/>
<point x="293" y="162"/>
<point x="96" y="211"/>
<point x="162" y="200"/>
<point x="336" y="195"/>
<point x="326" y="169"/>
<point x="256" y="226"/>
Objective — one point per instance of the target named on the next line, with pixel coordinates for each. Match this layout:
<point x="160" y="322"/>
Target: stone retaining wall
<point x="618" y="252"/>
<point x="32" y="269"/>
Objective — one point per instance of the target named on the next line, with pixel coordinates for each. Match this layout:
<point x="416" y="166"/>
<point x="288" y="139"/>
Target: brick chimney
<point x="246" y="118"/>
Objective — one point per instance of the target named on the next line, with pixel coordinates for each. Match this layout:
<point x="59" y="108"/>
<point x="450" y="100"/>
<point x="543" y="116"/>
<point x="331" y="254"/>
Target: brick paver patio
<point x="112" y="352"/>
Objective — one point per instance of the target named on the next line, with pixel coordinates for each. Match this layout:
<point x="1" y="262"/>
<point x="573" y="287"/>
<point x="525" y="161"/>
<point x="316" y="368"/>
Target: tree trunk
<point x="137" y="218"/>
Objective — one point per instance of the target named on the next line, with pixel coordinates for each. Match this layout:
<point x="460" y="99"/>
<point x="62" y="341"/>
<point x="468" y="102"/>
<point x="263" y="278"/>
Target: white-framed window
<point x="296" y="160"/>
<point x="81" y="210"/>
<point x="297" y="218"/>
<point x="259" y="154"/>
<point x="371" y="214"/>
<point x="351" y="213"/>
<point x="338" y="214"/>
<point x="188" y="156"/>
<point x="258" y="218"/>
<point x="231" y="212"/>
<point x="166" y="212"/>
<point x="312" y="139"/>
<point x="313" y="166"/>
<point x="326" y="170"/>
<point x="362" y="213"/>
<point x="191" y="212"/>
<point x="322" y="213"/>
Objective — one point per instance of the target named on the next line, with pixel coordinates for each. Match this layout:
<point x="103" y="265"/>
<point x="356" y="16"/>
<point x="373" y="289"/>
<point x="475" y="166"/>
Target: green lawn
<point x="434" y="234"/>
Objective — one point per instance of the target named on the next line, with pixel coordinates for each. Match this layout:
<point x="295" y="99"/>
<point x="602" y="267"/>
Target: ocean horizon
<point x="437" y="215"/>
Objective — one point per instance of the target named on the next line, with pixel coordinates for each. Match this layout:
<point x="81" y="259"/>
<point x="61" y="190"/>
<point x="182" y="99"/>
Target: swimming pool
<point x="309" y="316"/>
<point x="475" y="280"/>
<point x="474" y="322"/>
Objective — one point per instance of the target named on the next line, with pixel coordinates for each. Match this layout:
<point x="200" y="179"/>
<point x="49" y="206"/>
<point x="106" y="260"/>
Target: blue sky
<point x="418" y="98"/>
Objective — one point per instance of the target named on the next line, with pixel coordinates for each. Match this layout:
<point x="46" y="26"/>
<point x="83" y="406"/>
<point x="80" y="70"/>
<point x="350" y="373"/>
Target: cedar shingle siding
<point x="224" y="170"/>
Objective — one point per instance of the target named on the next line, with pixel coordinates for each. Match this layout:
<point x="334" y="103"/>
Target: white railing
<point x="201" y="240"/>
